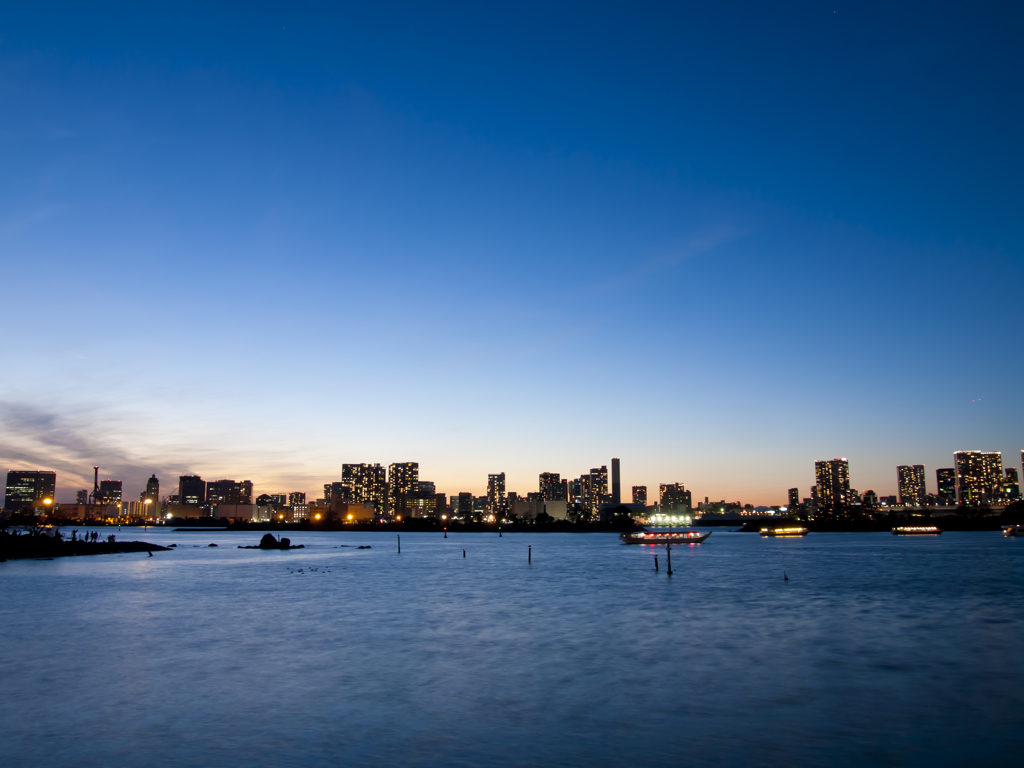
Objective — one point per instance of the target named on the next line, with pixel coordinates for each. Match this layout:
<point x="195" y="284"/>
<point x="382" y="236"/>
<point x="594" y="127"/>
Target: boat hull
<point x="917" y="531"/>
<point x="648" y="537"/>
<point x="784" y="533"/>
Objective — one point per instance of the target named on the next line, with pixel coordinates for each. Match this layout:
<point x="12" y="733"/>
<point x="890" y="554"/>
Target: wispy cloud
<point x="70" y="444"/>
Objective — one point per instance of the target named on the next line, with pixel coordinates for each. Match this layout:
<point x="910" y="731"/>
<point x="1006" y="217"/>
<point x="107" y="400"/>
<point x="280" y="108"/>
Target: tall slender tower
<point x="616" y="486"/>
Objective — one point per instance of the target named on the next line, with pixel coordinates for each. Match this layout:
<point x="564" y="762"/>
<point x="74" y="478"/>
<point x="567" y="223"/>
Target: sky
<point x="717" y="240"/>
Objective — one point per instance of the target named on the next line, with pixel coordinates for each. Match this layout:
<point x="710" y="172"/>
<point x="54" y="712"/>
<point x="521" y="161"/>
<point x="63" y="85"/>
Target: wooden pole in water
<point x="668" y="552"/>
<point x="655" y="563"/>
<point x="446" y="533"/>
<point x="399" y="543"/>
<point x="463" y="553"/>
<point x="529" y="554"/>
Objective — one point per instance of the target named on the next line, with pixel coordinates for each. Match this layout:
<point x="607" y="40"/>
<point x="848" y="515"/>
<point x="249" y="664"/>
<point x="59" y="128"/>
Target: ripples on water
<point x="896" y="651"/>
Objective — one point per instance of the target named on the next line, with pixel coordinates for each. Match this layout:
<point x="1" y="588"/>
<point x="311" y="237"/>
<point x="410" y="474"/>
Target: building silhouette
<point x="616" y="483"/>
<point x="674" y="496"/>
<point x="191" y="491"/>
<point x="945" y="485"/>
<point x="833" y="487"/>
<point x="403" y="479"/>
<point x="640" y="494"/>
<point x="979" y="476"/>
<point x="496" y="494"/>
<point x="551" y="486"/>
<point x="911" y="484"/>
<point x="229" y="492"/>
<point x="364" y="484"/>
<point x="27" y="486"/>
<point x="110" y="492"/>
<point x="152" y="491"/>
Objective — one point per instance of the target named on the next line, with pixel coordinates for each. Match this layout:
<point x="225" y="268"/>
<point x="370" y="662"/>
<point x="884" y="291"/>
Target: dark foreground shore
<point x="28" y="546"/>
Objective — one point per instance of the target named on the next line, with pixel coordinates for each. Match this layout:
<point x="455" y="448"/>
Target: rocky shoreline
<point x="35" y="546"/>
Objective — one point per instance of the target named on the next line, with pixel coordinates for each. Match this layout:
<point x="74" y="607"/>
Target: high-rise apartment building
<point x="1011" y="485"/>
<point x="82" y="497"/>
<point x="794" y="498"/>
<point x="551" y="486"/>
<point x="365" y="484"/>
<point x="110" y="492"/>
<point x="945" y="485"/>
<point x="496" y="494"/>
<point x="152" y="492"/>
<point x="979" y="476"/>
<point x="575" y="492"/>
<point x="673" y="496"/>
<point x="296" y="498"/>
<point x="428" y="487"/>
<point x="616" y="483"/>
<point x="27" y="486"/>
<point x="833" y="487"/>
<point x="911" y="484"/>
<point x="640" y="494"/>
<point x="403" y="479"/>
<point x="191" y="491"/>
<point x="587" y="493"/>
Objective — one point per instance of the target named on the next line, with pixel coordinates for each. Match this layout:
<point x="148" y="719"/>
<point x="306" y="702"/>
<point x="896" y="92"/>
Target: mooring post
<point x="529" y="554"/>
<point x="668" y="553"/>
<point x="463" y="553"/>
<point x="399" y="543"/>
<point x="655" y="563"/>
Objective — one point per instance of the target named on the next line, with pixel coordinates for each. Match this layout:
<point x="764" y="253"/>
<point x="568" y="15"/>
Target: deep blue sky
<point x="719" y="241"/>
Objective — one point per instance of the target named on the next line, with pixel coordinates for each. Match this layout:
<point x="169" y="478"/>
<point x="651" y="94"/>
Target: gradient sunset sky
<point x="717" y="240"/>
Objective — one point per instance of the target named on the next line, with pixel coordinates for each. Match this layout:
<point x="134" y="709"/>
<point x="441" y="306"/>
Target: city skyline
<point x="266" y="242"/>
<point x="371" y="482"/>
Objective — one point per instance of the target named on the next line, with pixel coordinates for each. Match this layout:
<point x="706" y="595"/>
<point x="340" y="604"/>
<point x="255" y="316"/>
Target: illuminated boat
<point x="785" y="532"/>
<point x="663" y="537"/>
<point x="1013" y="530"/>
<point x="916" y="530"/>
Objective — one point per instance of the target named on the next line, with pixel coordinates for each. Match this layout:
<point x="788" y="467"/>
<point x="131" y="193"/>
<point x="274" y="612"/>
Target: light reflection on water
<point x="879" y="649"/>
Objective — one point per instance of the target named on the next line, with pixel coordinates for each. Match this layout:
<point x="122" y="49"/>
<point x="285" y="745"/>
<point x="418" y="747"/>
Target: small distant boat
<point x="916" y="530"/>
<point x="1013" y="530"/>
<point x="781" y="532"/>
<point x="663" y="537"/>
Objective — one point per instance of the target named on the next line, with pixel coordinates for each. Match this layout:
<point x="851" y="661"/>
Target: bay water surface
<point x="877" y="650"/>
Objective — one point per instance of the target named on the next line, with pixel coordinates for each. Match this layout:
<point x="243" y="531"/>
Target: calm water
<point x="886" y="650"/>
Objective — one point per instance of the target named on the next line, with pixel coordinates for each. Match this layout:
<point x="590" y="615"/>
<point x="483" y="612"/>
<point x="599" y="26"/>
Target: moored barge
<point x="785" y="532"/>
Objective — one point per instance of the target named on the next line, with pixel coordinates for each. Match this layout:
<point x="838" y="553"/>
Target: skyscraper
<point x="296" y="498"/>
<point x="1011" y="485"/>
<point x="551" y="487"/>
<point x="152" y="491"/>
<point x="403" y="479"/>
<point x="595" y="489"/>
<point x="794" y="498"/>
<point x="833" y="484"/>
<point x="27" y="486"/>
<point x="82" y="497"/>
<point x="616" y="485"/>
<point x="979" y="476"/>
<point x="496" y="494"/>
<point x="945" y="485"/>
<point x="365" y="484"/>
<point x="640" y="494"/>
<point x="191" y="491"/>
<point x="911" y="484"/>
